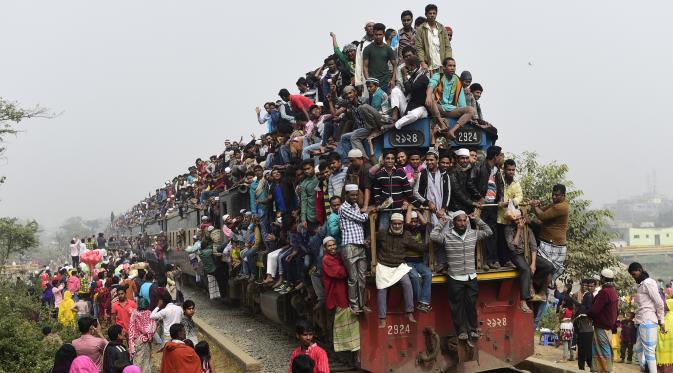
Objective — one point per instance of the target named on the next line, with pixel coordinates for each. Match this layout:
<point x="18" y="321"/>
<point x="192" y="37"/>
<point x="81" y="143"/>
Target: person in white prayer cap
<point x="351" y="222"/>
<point x="460" y="242"/>
<point x="391" y="268"/>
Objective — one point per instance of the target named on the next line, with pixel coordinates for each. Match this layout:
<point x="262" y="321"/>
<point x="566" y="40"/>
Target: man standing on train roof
<point x="432" y="41"/>
<point x="407" y="34"/>
<point x="306" y="196"/>
<point x="351" y="222"/>
<point x="488" y="188"/>
<point x="376" y="57"/>
<point x="364" y="43"/>
<point x="393" y="243"/>
<point x="554" y="221"/>
<point x="460" y="242"/>
<point x="445" y="97"/>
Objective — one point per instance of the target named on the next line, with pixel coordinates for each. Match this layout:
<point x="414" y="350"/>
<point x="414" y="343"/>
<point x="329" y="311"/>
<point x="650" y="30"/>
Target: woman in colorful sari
<point x="66" y="315"/>
<point x="665" y="342"/>
<point x="141" y="330"/>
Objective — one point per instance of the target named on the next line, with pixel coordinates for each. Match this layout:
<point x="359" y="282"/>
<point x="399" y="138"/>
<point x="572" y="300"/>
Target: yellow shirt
<point x="514" y="193"/>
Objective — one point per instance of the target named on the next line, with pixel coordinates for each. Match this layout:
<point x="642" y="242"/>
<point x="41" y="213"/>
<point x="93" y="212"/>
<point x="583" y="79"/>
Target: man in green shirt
<point x="308" y="218"/>
<point x="376" y="57"/>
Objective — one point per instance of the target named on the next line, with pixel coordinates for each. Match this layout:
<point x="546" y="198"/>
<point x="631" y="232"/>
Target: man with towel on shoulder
<point x="391" y="268"/>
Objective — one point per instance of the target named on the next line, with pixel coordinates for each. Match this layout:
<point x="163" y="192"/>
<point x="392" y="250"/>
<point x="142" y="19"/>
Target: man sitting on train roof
<point x="460" y="242"/>
<point x="393" y="243"/>
<point x="445" y="97"/>
<point x="365" y="118"/>
<point x="415" y="83"/>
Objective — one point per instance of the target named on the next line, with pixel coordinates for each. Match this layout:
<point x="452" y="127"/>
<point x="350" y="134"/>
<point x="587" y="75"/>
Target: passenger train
<point x="430" y="344"/>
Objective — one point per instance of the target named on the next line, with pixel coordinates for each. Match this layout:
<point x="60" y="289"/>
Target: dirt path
<point x="555" y="355"/>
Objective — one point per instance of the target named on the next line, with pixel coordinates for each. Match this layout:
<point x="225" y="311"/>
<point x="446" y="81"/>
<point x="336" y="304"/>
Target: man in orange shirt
<point x="122" y="309"/>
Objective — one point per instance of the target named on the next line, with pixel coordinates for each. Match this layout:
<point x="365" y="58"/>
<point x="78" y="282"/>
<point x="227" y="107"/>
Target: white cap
<point x="248" y="213"/>
<point x="204" y="218"/>
<point x="242" y="211"/>
<point x="608" y="273"/>
<point x="227" y="170"/>
<point x="463" y="152"/>
<point x="210" y="228"/>
<point x="397" y="216"/>
<point x="225" y="217"/>
<point x="456" y="214"/>
<point x="355" y="153"/>
<point x="327" y="239"/>
<point x="258" y="142"/>
<point x="414" y="215"/>
<point x="351" y="187"/>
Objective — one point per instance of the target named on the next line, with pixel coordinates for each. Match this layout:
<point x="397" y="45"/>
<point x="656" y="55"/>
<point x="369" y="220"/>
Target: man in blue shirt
<point x="445" y="97"/>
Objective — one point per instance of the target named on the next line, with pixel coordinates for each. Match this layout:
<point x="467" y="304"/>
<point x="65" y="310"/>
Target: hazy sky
<point x="146" y="87"/>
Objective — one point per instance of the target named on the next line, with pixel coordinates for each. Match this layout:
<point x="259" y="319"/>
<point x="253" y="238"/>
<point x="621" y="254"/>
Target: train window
<point x="666" y="234"/>
<point x="636" y="236"/>
<point x="647" y="236"/>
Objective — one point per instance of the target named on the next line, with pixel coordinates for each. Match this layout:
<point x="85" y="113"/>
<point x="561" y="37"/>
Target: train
<point x="430" y="344"/>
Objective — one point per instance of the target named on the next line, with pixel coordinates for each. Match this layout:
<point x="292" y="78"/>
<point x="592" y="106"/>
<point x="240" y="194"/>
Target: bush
<point x="549" y="319"/>
<point x="23" y="317"/>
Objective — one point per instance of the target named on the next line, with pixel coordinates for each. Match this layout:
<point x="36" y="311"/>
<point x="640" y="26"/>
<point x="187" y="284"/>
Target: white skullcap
<point x="328" y="239"/>
<point x="210" y="228"/>
<point x="457" y="214"/>
<point x="397" y="216"/>
<point x="414" y="214"/>
<point x="225" y="217"/>
<point x="204" y="218"/>
<point x="258" y="142"/>
<point x="351" y="187"/>
<point x="227" y="170"/>
<point x="242" y="211"/>
<point x="355" y="153"/>
<point x="462" y="152"/>
<point x="248" y="213"/>
<point x="370" y="21"/>
<point x="608" y="273"/>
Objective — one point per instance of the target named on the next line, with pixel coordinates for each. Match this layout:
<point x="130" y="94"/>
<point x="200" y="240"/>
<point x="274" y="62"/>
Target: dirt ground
<point x="554" y="354"/>
<point x="222" y="363"/>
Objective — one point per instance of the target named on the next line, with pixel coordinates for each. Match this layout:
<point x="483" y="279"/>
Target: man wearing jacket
<point x="432" y="41"/>
<point x="461" y="183"/>
<point x="603" y="312"/>
<point x="460" y="242"/>
<point x="433" y="188"/>
<point x="415" y="88"/>
<point x="488" y="188"/>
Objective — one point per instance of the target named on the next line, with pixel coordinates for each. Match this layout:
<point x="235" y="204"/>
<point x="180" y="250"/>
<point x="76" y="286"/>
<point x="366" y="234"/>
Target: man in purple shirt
<point x="88" y="344"/>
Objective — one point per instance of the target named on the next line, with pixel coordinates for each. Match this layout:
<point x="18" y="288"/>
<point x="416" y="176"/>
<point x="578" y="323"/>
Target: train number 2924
<point x="399" y="329"/>
<point x="496" y="322"/>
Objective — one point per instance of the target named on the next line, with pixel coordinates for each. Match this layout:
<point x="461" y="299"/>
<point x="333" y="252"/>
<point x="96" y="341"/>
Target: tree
<point x="16" y="238"/>
<point x="589" y="247"/>
<point x="10" y="115"/>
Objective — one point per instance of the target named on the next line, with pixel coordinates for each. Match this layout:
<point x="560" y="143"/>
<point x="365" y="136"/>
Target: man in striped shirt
<point x="392" y="188"/>
<point x="351" y="222"/>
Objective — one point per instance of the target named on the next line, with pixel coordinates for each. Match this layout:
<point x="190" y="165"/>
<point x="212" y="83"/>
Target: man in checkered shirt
<point x="352" y="221"/>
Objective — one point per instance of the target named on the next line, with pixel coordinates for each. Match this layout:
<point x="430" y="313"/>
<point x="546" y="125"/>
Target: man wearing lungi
<point x="554" y="221"/>
<point x="649" y="314"/>
<point x="603" y="313"/>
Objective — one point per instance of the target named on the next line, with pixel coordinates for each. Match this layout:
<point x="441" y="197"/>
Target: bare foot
<point x="382" y="323"/>
<point x="411" y="318"/>
<point x="367" y="309"/>
<point x="524" y="307"/>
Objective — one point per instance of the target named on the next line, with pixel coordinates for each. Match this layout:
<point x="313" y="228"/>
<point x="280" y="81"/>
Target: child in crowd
<point x="627" y="338"/>
<point x="304" y="333"/>
<point x="188" y="308"/>
<point x="203" y="350"/>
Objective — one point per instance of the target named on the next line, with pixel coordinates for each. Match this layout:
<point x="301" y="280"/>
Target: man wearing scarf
<point x="649" y="314"/>
<point x="460" y="242"/>
<point x="433" y="188"/>
<point x="603" y="312"/>
<point x="391" y="267"/>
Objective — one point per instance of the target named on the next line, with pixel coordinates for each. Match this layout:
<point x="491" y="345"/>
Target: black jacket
<point x="460" y="191"/>
<point x="114" y="352"/>
<point x="479" y="178"/>
<point x="416" y="87"/>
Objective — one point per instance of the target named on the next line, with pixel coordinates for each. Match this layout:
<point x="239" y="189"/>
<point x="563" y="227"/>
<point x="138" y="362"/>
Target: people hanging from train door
<point x="519" y="236"/>
<point x="553" y="219"/>
<point x="488" y="188"/>
<point x="351" y="222"/>
<point x="420" y="274"/>
<point x="512" y="192"/>
<point x="460" y="242"/>
<point x="433" y="187"/>
<point x="393" y="243"/>
<point x="391" y="189"/>
<point x="461" y="183"/>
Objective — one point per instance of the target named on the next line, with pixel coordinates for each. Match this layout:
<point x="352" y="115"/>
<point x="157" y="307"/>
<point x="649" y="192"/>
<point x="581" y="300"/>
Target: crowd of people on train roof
<point x="313" y="184"/>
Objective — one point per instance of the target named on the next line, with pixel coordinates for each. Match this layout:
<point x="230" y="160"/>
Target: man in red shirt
<point x="122" y="309"/>
<point x="307" y="347"/>
<point x="298" y="103"/>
